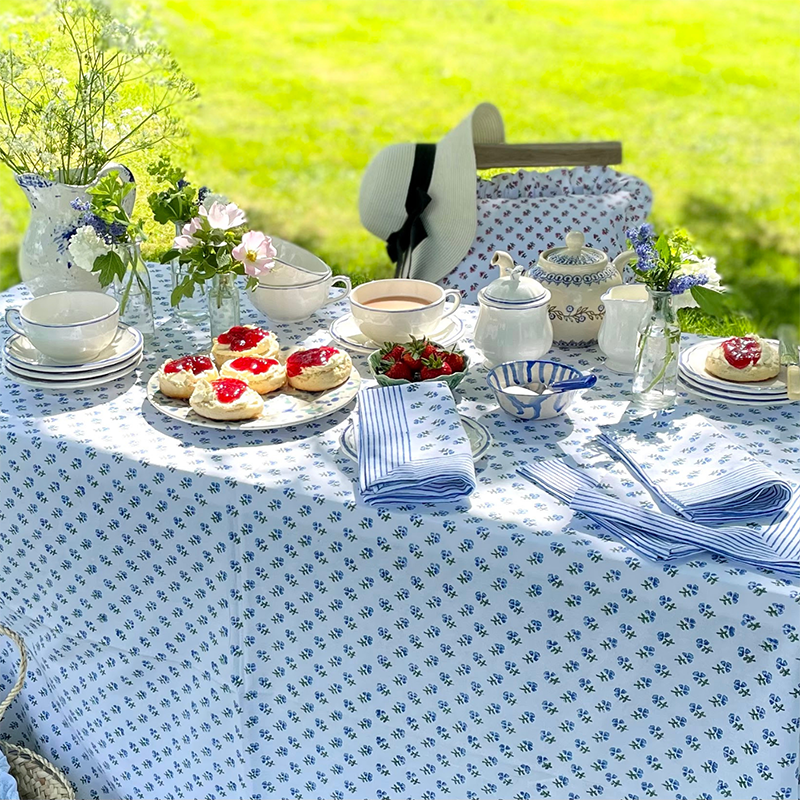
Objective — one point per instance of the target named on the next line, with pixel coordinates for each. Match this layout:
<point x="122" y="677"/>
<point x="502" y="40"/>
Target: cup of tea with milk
<point x="396" y="309"/>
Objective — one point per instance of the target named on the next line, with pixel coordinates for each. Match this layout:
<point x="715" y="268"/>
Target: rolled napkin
<point x="662" y="537"/>
<point x="412" y="447"/>
<point x="701" y="474"/>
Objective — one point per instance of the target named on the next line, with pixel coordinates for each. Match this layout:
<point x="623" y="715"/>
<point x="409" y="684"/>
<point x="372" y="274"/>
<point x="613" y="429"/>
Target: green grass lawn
<point x="297" y="96"/>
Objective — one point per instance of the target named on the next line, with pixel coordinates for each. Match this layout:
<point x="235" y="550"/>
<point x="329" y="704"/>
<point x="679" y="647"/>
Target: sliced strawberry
<point x="399" y="370"/>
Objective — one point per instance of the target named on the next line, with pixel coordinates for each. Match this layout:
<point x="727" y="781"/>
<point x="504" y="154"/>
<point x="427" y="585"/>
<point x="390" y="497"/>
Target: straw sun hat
<point x="420" y="198"/>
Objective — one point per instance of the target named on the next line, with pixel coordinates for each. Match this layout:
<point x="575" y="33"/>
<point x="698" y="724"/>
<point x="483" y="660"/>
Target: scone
<point x="265" y="375"/>
<point x="178" y="376"/>
<point x="226" y="398"/>
<point x="318" y="369"/>
<point x="244" y="340"/>
<point x="744" y="359"/>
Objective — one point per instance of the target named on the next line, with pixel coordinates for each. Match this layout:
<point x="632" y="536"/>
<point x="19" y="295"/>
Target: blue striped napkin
<point x="701" y="474"/>
<point x="663" y="537"/>
<point x="412" y="447"/>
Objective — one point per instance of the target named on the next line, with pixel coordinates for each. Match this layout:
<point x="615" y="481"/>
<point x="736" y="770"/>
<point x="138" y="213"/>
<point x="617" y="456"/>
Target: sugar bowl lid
<point x="513" y="287"/>
<point x="575" y="254"/>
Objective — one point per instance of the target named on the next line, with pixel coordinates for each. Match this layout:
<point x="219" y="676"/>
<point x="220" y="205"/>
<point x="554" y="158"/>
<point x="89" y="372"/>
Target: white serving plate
<point x="752" y="401"/>
<point x="692" y="362"/>
<point x="56" y="385"/>
<point x="345" y="333"/>
<point x="281" y="409"/>
<point x="478" y="435"/>
<point x="19" y="352"/>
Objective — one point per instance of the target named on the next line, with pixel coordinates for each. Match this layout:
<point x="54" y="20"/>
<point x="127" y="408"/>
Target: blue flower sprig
<point x="659" y="259"/>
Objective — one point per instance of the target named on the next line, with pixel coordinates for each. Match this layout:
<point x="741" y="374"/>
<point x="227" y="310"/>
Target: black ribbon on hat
<point x="402" y="242"/>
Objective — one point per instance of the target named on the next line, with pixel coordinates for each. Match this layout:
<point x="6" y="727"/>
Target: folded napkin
<point x="700" y="473"/>
<point x="411" y="446"/>
<point x="663" y="537"/>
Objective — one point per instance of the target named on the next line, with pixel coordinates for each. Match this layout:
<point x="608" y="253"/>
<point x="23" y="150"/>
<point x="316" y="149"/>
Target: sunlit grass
<point x="297" y="96"/>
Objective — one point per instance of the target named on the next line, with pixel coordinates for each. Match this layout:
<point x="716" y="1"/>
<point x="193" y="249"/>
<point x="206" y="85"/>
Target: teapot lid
<point x="515" y="288"/>
<point x="574" y="254"/>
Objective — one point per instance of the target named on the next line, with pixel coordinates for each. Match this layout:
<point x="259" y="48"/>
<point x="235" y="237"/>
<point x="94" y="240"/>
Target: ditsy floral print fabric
<point x="527" y="212"/>
<point x="214" y="614"/>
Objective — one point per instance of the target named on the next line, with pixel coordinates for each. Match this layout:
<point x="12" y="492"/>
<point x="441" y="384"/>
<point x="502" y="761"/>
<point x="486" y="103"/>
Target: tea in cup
<point x="69" y="327"/>
<point x="396" y="309"/>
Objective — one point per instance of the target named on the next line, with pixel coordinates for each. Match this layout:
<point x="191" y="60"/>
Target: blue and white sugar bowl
<point x="512" y="321"/>
<point x="537" y="389"/>
<point x="577" y="278"/>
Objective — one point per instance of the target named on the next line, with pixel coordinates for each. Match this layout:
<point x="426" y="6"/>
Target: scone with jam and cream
<point x="244" y="340"/>
<point x="226" y="399"/>
<point x="744" y="359"/>
<point x="265" y="375"/>
<point x="178" y="376"/>
<point x="318" y="369"/>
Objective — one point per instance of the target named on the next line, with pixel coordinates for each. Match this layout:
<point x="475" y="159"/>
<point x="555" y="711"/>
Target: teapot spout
<point x="504" y="261"/>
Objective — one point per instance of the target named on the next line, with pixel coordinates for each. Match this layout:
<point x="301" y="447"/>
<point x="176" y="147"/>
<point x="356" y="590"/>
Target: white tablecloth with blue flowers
<point x="214" y="614"/>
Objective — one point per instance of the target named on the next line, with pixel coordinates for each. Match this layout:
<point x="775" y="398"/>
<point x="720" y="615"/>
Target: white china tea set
<point x="70" y="340"/>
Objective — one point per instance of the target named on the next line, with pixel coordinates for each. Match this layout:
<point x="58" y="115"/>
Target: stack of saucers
<point x="24" y="364"/>
<point x="696" y="379"/>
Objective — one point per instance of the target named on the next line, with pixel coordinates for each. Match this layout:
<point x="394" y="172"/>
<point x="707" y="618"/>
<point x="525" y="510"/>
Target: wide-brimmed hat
<point x="420" y="198"/>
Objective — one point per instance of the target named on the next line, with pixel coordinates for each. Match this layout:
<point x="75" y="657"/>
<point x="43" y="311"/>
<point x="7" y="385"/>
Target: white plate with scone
<point x="759" y="377"/>
<point x="254" y="392"/>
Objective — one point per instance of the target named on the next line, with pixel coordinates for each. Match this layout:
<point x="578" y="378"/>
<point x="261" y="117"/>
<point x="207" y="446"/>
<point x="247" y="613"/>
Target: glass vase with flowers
<point x="107" y="242"/>
<point x="675" y="273"/>
<point x="215" y="247"/>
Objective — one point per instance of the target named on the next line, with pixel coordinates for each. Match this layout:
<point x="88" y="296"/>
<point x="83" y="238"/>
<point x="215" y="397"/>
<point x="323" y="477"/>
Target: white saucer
<point x="692" y="362"/>
<point x="478" y="435"/>
<point x="19" y="352"/>
<point x="61" y="377"/>
<point x="345" y="333"/>
<point x="89" y="382"/>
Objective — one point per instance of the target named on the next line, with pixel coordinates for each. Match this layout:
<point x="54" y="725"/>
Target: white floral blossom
<point x="85" y="246"/>
<point x="697" y="266"/>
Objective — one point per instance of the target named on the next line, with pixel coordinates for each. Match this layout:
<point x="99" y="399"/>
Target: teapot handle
<point x="622" y="259"/>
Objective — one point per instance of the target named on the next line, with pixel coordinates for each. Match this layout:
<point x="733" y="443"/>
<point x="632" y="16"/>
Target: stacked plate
<point x="694" y="377"/>
<point x="24" y="364"/>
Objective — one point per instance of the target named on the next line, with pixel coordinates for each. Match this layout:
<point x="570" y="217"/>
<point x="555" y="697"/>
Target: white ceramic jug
<point x="513" y="323"/>
<point x="625" y="309"/>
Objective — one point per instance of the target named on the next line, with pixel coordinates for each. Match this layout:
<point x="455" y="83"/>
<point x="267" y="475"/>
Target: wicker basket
<point x="36" y="777"/>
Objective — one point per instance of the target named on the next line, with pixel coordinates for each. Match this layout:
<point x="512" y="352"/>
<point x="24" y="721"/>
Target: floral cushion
<point x="526" y="212"/>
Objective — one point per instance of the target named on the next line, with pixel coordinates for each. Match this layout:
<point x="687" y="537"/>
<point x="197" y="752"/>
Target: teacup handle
<point x="14" y="320"/>
<point x="455" y="296"/>
<point x="343" y="293"/>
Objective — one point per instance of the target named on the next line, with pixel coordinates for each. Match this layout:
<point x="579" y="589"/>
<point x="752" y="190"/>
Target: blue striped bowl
<point x="521" y="373"/>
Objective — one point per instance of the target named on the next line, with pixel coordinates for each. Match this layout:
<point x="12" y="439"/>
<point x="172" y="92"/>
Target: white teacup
<point x="298" y="302"/>
<point x="396" y="309"/>
<point x="69" y="327"/>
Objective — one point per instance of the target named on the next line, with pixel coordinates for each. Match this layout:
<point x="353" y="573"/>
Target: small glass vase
<point x="194" y="308"/>
<point x="223" y="303"/>
<point x="135" y="294"/>
<point x="655" y="376"/>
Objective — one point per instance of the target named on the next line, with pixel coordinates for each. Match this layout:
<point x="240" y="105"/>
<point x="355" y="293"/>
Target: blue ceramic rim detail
<point x="432" y="304"/>
<point x="69" y="324"/>
<point x="494" y="383"/>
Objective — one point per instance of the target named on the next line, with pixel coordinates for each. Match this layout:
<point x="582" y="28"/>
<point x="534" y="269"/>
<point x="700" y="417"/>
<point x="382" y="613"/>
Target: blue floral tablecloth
<point x="213" y="614"/>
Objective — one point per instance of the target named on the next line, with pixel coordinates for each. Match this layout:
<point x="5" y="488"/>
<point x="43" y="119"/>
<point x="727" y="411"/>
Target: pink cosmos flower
<point x="255" y="253"/>
<point x="223" y="217"/>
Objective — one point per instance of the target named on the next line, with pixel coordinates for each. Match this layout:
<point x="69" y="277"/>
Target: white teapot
<point x="513" y="322"/>
<point x="577" y="278"/>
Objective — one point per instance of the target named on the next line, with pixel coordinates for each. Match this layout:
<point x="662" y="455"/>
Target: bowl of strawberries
<point x="419" y="360"/>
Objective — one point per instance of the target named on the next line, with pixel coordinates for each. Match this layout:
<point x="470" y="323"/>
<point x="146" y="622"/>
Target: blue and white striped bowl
<point x="522" y="373"/>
